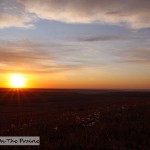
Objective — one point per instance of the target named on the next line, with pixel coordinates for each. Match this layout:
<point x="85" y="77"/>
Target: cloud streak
<point x="101" y="38"/>
<point x="31" y="57"/>
<point x="134" y="56"/>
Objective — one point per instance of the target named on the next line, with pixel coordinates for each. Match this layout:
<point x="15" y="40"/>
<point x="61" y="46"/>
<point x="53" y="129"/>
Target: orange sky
<point x="85" y="79"/>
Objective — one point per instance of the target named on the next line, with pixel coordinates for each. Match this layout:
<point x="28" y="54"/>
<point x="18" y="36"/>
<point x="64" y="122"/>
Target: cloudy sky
<point x="76" y="43"/>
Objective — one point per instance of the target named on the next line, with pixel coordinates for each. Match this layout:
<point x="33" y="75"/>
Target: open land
<point x="77" y="119"/>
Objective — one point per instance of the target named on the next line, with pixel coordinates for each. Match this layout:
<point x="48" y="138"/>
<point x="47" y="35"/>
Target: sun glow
<point x="17" y="81"/>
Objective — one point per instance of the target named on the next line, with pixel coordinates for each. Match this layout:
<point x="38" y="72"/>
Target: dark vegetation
<point x="77" y="119"/>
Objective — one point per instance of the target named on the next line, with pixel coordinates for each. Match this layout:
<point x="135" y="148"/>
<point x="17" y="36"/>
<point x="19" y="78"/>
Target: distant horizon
<point x="88" y="89"/>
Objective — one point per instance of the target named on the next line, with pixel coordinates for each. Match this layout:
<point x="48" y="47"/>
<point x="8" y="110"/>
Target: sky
<point x="94" y="44"/>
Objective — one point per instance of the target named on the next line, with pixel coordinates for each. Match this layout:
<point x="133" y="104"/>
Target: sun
<point x="17" y="81"/>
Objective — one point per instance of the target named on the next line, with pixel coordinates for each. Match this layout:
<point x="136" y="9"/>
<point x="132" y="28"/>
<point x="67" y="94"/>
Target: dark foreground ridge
<point x="77" y="119"/>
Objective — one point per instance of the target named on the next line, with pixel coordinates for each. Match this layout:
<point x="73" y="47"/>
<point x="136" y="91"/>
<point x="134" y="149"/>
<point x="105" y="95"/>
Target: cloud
<point x="23" y="13"/>
<point x="134" y="56"/>
<point x="31" y="57"/>
<point x="137" y="61"/>
<point x="101" y="38"/>
<point x="134" y="13"/>
<point x="21" y="51"/>
<point x="13" y="14"/>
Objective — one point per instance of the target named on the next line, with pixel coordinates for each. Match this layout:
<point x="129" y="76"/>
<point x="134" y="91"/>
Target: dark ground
<point x="77" y="119"/>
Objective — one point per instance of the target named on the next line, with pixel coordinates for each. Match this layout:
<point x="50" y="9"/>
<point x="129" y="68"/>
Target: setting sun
<point x="17" y="81"/>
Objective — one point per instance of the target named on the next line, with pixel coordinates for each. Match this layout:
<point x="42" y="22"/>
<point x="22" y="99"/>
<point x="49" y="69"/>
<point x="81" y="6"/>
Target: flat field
<point x="77" y="119"/>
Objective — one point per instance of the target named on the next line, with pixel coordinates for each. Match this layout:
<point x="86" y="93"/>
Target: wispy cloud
<point x="101" y="38"/>
<point x="134" y="56"/>
<point x="136" y="61"/>
<point x="21" y="51"/>
<point x="32" y="57"/>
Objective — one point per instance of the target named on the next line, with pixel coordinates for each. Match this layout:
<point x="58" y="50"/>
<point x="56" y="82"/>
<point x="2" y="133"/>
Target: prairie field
<point x="77" y="119"/>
